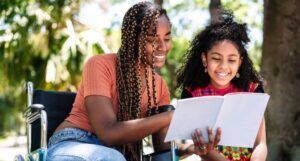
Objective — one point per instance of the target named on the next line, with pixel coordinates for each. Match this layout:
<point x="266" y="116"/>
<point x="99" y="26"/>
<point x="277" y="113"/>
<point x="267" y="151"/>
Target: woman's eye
<point x="232" y="61"/>
<point x="168" y="39"/>
<point x="150" y="39"/>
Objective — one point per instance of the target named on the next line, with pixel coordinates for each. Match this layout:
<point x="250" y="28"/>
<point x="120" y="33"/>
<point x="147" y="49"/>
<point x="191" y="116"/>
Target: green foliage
<point x="33" y="33"/>
<point x="40" y="41"/>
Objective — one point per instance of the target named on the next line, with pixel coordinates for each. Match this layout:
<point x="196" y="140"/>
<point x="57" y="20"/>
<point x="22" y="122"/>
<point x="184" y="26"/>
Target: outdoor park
<point x="48" y="42"/>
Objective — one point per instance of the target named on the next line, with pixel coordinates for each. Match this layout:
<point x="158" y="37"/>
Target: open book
<point x="238" y="114"/>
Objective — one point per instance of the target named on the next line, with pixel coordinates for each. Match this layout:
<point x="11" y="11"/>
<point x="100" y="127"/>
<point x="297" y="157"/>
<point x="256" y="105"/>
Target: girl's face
<point x="222" y="61"/>
<point x="162" y="42"/>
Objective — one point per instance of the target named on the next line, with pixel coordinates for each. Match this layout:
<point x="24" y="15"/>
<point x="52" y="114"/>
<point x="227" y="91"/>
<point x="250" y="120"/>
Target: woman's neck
<point x="143" y="77"/>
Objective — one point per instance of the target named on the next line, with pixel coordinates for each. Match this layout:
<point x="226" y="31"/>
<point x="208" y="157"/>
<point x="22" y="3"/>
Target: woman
<point x="116" y="91"/>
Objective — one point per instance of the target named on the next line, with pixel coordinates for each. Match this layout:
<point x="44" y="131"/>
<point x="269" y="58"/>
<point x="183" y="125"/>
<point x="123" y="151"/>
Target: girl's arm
<point x="187" y="149"/>
<point x="260" y="148"/>
<point x="111" y="132"/>
<point x="213" y="156"/>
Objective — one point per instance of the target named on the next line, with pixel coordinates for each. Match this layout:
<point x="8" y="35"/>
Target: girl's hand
<point x="202" y="148"/>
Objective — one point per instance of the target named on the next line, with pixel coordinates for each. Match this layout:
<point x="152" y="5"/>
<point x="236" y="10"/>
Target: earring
<point x="205" y="66"/>
<point x="237" y="75"/>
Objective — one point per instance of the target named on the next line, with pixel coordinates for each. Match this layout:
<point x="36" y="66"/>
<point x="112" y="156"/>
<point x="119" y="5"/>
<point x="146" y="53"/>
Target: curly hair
<point x="191" y="74"/>
<point x="138" y="21"/>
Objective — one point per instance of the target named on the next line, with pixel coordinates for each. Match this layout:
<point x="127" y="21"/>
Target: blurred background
<point x="48" y="41"/>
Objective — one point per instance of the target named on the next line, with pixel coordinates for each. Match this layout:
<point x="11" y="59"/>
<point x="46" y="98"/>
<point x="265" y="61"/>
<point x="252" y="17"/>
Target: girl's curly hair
<point x="191" y="74"/>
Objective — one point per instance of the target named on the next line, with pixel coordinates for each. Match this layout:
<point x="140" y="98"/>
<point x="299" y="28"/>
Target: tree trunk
<point x="214" y="10"/>
<point x="281" y="69"/>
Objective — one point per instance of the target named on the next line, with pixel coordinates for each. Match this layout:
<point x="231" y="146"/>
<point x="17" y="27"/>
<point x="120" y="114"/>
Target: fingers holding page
<point x="203" y="147"/>
<point x="210" y="135"/>
<point x="218" y="136"/>
<point x="199" y="143"/>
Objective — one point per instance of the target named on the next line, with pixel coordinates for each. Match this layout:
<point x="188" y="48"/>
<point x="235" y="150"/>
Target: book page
<point x="240" y="118"/>
<point x="193" y="113"/>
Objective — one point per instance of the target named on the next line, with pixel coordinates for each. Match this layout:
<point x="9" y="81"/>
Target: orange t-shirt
<point x="99" y="78"/>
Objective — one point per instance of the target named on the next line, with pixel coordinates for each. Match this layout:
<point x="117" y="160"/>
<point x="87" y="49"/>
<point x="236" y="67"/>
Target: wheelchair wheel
<point x="19" y="158"/>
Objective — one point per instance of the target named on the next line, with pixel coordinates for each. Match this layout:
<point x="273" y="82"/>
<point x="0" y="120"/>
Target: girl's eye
<point x="232" y="61"/>
<point x="216" y="58"/>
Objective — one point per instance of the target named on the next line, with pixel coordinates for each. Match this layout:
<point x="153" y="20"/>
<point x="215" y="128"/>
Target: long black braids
<point x="131" y="57"/>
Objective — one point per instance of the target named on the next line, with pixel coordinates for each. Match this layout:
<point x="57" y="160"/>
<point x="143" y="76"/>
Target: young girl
<point x="217" y="63"/>
<point x="116" y="91"/>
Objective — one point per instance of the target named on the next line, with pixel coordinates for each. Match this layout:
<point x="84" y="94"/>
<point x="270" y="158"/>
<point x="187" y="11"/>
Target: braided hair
<point x="138" y="21"/>
<point x="191" y="74"/>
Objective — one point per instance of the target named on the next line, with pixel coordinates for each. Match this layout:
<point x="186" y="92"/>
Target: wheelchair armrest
<point x="161" y="109"/>
<point x="37" y="107"/>
<point x="33" y="109"/>
<point x="165" y="108"/>
<point x="33" y="113"/>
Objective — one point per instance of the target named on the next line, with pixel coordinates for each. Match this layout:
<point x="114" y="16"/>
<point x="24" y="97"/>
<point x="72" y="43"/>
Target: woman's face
<point x="162" y="42"/>
<point x="223" y="61"/>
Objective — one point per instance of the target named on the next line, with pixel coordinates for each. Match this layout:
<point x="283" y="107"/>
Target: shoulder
<point x="256" y="87"/>
<point x="186" y="93"/>
<point x="189" y="92"/>
<point x="104" y="64"/>
<point x="100" y="60"/>
<point x="259" y="89"/>
<point x="103" y="58"/>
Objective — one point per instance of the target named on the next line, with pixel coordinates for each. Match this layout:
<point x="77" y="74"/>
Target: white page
<point x="191" y="114"/>
<point x="240" y="118"/>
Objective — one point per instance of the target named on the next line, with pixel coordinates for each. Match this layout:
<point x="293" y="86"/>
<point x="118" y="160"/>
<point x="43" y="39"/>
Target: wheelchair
<point x="47" y="109"/>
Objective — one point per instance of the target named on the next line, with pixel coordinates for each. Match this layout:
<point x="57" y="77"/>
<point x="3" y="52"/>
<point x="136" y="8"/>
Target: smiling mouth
<point x="222" y="75"/>
<point x="160" y="57"/>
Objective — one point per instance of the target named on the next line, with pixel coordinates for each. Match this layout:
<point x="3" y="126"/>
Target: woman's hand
<point x="202" y="148"/>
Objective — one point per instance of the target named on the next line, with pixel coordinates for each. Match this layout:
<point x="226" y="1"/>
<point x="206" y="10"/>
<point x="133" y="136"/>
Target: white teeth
<point x="222" y="74"/>
<point x="160" y="57"/>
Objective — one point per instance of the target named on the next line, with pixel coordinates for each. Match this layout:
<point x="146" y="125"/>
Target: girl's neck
<point x="221" y="88"/>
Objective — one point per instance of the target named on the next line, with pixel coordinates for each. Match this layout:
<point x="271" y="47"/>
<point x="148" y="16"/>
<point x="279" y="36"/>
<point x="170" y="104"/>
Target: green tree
<point x="40" y="40"/>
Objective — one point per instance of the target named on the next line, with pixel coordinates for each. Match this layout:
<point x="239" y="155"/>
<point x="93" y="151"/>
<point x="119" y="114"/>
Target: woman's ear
<point x="203" y="57"/>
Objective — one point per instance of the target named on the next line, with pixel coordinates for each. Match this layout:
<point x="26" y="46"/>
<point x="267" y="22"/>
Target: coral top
<point x="99" y="78"/>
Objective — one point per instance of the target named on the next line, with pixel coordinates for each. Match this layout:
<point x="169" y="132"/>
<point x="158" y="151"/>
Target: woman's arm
<point x="260" y="148"/>
<point x="158" y="140"/>
<point x="112" y="132"/>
